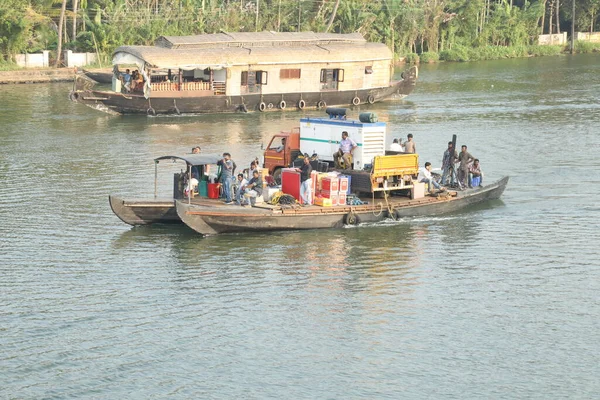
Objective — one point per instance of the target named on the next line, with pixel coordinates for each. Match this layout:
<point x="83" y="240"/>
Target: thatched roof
<point x="256" y="39"/>
<point x="160" y="57"/>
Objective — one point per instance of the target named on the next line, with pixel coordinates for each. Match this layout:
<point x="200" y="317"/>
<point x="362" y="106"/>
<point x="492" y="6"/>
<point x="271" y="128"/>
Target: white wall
<point x="554" y="39"/>
<point x="33" y="60"/>
<point x="78" y="59"/>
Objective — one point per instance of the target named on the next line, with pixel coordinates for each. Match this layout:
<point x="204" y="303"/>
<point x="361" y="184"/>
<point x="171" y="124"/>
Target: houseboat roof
<point x="222" y="57"/>
<point x="256" y="39"/>
<point x="193" y="159"/>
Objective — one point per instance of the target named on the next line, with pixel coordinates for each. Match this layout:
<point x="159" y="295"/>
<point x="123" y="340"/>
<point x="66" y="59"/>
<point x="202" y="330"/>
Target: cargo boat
<point x="213" y="217"/>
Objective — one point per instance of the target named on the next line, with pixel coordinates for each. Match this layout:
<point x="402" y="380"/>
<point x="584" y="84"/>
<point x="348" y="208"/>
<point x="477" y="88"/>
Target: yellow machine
<point x="394" y="172"/>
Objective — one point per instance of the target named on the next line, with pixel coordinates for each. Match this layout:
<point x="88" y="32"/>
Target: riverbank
<point x="44" y="75"/>
<point x="457" y="54"/>
<point x="465" y="53"/>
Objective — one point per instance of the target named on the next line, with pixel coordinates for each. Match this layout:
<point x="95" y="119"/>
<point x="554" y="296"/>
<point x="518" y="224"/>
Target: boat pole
<point x="573" y="29"/>
<point x="155" y="176"/>
<point x="190" y="183"/>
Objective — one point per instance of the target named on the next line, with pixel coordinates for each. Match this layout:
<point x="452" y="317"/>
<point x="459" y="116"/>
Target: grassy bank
<point x="8" y="66"/>
<point x="463" y="54"/>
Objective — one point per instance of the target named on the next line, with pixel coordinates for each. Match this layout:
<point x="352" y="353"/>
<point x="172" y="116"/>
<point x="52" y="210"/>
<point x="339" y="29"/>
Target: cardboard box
<point x="330" y="183"/>
<point x="342" y="199"/>
<point x="344" y="184"/>
<point x="323" y="202"/>
<point x="334" y="199"/>
<point x="417" y="191"/>
<point x="327" y="194"/>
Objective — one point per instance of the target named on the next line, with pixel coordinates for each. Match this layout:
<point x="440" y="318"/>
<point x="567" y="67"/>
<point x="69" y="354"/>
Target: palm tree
<point x="335" y="8"/>
<point x="60" y="28"/>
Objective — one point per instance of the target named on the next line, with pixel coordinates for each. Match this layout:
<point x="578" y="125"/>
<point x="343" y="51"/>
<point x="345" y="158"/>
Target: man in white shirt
<point x="425" y="177"/>
<point x="396" y="146"/>
<point x="240" y="186"/>
<point x="347" y="146"/>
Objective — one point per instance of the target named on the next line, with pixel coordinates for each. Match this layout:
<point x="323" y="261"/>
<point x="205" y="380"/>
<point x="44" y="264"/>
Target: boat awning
<point x="193" y="159"/>
<point x="189" y="58"/>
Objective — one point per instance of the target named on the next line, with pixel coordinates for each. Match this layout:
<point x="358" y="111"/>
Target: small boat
<point x="160" y="210"/>
<point x="247" y="71"/>
<point x="209" y="217"/>
<point x="100" y="75"/>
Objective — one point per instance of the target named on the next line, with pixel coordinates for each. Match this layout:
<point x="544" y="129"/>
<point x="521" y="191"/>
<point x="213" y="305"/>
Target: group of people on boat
<point x="467" y="174"/>
<point x="131" y="81"/>
<point x="408" y="146"/>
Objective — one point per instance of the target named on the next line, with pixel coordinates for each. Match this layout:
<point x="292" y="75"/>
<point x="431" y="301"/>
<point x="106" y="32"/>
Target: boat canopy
<point x="256" y="39"/>
<point x="225" y="57"/>
<point x="193" y="159"/>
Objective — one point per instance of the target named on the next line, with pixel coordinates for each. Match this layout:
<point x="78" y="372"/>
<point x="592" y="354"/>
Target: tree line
<point x="408" y="27"/>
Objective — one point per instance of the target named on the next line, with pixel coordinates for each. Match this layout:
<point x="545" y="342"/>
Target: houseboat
<point x="242" y="72"/>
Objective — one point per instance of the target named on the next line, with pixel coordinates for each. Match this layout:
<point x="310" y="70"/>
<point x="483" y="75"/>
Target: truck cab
<point x="283" y="148"/>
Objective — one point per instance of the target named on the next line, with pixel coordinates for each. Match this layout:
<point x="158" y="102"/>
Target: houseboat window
<point x="244" y="78"/>
<point x="335" y="75"/>
<point x="369" y="69"/>
<point x="261" y="77"/>
<point x="289" y="73"/>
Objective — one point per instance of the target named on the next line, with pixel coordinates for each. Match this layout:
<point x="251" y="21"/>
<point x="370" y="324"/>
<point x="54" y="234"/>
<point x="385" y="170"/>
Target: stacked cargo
<point x="332" y="190"/>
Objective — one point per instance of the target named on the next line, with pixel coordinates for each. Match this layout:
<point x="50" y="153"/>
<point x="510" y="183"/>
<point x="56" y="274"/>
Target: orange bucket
<point x="213" y="190"/>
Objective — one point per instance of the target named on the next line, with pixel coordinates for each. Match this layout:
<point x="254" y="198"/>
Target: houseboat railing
<point x="170" y="86"/>
<point x="218" y="87"/>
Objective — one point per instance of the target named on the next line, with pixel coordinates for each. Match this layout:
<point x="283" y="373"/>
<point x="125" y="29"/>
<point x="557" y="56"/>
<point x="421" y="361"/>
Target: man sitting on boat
<point x="240" y="186"/>
<point x="426" y="177"/>
<point x="254" y="188"/>
<point x="396" y="146"/>
<point x="126" y="80"/>
<point x="347" y="146"/>
<point x="475" y="174"/>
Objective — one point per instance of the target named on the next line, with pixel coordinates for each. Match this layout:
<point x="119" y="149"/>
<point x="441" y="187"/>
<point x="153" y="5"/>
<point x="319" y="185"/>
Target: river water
<point x="501" y="301"/>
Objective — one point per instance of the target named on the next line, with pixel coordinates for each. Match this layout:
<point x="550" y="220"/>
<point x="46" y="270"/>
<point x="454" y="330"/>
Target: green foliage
<point x="429" y="57"/>
<point x="537" y="50"/>
<point x="459" y="30"/>
<point x="586" y="47"/>
<point x="412" y="58"/>
<point x="458" y="53"/>
<point x="8" y="66"/>
<point x="14" y="29"/>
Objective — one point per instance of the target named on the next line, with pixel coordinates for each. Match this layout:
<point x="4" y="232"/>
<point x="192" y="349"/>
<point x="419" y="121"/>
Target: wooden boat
<point x="241" y="72"/>
<point x="210" y="217"/>
<point x="157" y="210"/>
<point x="100" y="75"/>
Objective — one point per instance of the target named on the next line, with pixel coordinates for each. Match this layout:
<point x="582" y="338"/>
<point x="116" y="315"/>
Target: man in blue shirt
<point x="127" y="80"/>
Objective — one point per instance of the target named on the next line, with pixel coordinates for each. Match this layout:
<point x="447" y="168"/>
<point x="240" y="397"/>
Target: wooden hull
<point x="144" y="212"/>
<point x="100" y="75"/>
<point x="181" y="103"/>
<point x="209" y="220"/>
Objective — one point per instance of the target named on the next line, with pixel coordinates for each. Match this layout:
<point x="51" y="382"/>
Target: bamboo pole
<point x="573" y="29"/>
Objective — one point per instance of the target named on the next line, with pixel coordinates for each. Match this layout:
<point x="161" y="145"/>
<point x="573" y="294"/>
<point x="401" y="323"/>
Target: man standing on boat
<point x="306" y="181"/>
<point x="226" y="174"/>
<point x="448" y="164"/>
<point x="409" y="145"/>
<point x="464" y="158"/>
<point x="347" y="146"/>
